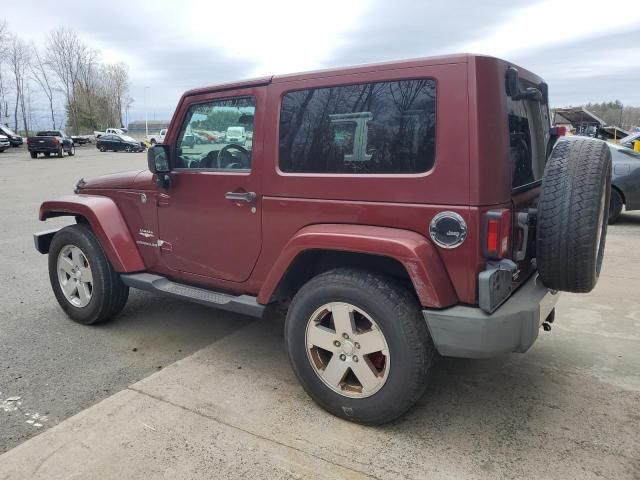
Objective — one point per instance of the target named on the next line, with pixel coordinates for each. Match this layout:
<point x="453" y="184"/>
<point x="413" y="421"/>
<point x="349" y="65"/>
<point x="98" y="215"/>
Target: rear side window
<point x="385" y="127"/>
<point x="528" y="138"/>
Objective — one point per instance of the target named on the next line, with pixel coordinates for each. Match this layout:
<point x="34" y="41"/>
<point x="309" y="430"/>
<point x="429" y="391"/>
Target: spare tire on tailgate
<point x="572" y="214"/>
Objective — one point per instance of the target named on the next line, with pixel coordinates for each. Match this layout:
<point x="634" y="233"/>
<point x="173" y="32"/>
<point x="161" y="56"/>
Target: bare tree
<point x="19" y="64"/>
<point x="65" y="58"/>
<point x="40" y="72"/>
<point x="88" y="84"/>
<point x="4" y="47"/>
<point x="116" y="83"/>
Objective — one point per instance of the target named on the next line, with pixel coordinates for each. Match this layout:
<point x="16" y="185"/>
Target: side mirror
<point x="158" y="161"/>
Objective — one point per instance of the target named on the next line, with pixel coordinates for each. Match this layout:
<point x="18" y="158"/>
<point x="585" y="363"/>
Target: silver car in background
<point x="625" y="184"/>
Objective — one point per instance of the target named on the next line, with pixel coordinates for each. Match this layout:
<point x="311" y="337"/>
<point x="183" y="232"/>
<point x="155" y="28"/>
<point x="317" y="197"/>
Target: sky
<point x="584" y="50"/>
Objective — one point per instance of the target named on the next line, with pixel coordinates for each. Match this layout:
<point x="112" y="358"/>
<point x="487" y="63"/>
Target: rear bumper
<point x="44" y="149"/>
<point x="468" y="332"/>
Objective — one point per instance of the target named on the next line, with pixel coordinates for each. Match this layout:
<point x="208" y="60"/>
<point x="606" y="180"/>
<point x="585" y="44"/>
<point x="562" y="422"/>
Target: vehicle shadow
<point x="628" y="218"/>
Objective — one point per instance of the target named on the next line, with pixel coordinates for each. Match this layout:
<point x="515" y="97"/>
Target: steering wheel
<point x="228" y="160"/>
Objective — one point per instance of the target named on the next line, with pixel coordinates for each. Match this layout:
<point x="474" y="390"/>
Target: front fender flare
<point x="107" y="224"/>
<point x="417" y="254"/>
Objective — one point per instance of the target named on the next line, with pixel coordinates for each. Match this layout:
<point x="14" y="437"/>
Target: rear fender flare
<point x="107" y="224"/>
<point x="415" y="252"/>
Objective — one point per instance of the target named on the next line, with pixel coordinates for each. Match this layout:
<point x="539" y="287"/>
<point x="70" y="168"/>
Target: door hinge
<point x="163" y="200"/>
<point x="164" y="246"/>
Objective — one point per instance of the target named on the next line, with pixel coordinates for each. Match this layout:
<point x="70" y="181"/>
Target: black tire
<point x="615" y="206"/>
<point x="47" y="154"/>
<point x="33" y="154"/>
<point x="153" y="141"/>
<point x="572" y="228"/>
<point x="102" y="149"/>
<point x="399" y="317"/>
<point x="61" y="152"/>
<point x="72" y="151"/>
<point x="109" y="295"/>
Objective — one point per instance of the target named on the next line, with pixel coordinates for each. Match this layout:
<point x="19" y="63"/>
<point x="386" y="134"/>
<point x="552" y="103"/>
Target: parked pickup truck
<point x="51" y="141"/>
<point x="394" y="211"/>
<point x="110" y="131"/>
<point x="155" y="139"/>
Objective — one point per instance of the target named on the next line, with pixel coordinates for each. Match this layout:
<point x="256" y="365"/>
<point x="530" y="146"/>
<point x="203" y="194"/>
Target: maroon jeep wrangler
<point x="395" y="210"/>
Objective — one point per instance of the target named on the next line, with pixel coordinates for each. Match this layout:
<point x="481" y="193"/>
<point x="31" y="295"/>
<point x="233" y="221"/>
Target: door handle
<point x="249" y="197"/>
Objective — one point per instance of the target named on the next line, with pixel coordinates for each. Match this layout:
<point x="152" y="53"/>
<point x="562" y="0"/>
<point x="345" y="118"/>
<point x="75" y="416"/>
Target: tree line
<point x="615" y="113"/>
<point x="60" y="71"/>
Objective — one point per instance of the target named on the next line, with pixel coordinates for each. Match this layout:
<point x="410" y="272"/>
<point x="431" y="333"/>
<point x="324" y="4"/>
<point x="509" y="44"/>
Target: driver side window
<point x="217" y="135"/>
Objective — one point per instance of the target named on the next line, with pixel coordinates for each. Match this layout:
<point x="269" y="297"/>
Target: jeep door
<point x="210" y="215"/>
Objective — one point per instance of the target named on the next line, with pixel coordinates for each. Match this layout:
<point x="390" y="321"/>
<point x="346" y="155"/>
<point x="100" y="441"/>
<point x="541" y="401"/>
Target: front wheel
<point x="33" y="154"/>
<point x="359" y="345"/>
<point x="83" y="281"/>
<point x="101" y="148"/>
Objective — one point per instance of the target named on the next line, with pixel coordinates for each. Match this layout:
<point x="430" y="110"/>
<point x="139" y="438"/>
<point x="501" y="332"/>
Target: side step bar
<point x="244" y="304"/>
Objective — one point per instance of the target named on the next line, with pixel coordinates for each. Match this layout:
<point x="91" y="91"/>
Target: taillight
<point x="496" y="233"/>
<point x="55" y="141"/>
<point x="559" y="131"/>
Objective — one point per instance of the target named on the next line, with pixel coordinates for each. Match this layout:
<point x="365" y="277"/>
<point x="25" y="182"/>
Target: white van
<point x="236" y="135"/>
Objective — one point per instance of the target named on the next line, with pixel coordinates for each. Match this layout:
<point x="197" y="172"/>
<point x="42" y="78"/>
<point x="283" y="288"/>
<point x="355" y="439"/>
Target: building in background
<point x="137" y="128"/>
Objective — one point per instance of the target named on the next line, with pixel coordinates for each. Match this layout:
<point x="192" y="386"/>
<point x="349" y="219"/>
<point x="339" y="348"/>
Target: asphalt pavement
<point x="175" y="390"/>
<point x="50" y="367"/>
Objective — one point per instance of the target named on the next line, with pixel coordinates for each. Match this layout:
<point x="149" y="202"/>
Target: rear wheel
<point x="72" y="151"/>
<point x="359" y="345"/>
<point x="83" y="281"/>
<point x="101" y="148"/>
<point x="572" y="214"/>
<point x="33" y="154"/>
<point x="60" y="152"/>
<point x="615" y="206"/>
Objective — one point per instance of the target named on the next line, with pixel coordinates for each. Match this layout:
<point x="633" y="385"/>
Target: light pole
<point x="146" y="116"/>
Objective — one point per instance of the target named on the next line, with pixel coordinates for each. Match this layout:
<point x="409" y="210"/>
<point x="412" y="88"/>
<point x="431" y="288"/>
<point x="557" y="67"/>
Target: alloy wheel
<point x="347" y="350"/>
<point x="75" y="276"/>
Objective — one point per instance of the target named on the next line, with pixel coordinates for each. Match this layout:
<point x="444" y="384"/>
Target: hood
<point x="113" y="180"/>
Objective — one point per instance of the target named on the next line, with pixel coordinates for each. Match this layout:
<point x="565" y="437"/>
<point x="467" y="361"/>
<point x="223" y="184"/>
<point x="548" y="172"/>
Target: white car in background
<point x="236" y="136"/>
<point x="110" y="131"/>
<point x="4" y="143"/>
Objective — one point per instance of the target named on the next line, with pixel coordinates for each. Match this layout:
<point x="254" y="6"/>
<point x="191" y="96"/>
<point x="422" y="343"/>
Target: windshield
<point x="127" y="138"/>
<point x="7" y="130"/>
<point x="234" y="131"/>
